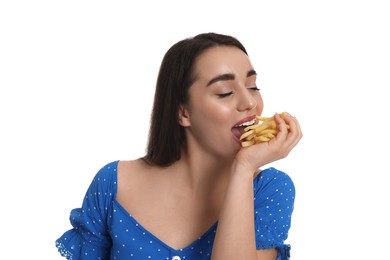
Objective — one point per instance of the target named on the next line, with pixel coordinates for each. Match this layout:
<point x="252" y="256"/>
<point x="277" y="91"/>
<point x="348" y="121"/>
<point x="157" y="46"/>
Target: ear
<point x="183" y="116"/>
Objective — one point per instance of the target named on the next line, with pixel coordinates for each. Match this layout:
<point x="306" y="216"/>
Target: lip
<point x="236" y="136"/>
<point x="246" y="119"/>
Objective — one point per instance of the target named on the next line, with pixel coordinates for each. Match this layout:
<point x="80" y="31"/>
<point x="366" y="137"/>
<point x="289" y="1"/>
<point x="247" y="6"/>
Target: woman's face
<point x="223" y="97"/>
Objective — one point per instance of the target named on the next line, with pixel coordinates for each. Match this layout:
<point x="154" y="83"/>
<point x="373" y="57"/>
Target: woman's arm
<point x="235" y="238"/>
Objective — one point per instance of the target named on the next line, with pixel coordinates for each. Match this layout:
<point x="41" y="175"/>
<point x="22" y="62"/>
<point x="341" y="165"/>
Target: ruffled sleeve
<point x="274" y="194"/>
<point x="89" y="238"/>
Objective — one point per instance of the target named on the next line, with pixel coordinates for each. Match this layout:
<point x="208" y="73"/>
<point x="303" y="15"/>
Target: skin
<point x="220" y="188"/>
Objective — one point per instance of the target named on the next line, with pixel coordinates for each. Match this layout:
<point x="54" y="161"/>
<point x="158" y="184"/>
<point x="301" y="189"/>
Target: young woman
<point x="197" y="193"/>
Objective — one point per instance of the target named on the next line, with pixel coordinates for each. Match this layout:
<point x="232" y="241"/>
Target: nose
<point x="246" y="101"/>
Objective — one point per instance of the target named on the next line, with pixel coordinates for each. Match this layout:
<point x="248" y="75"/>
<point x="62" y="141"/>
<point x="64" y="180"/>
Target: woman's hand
<point x="260" y="154"/>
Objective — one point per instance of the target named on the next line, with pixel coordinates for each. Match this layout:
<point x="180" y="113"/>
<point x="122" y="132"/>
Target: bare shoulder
<point x="137" y="184"/>
<point x="137" y="176"/>
<point x="131" y="171"/>
<point x="127" y="166"/>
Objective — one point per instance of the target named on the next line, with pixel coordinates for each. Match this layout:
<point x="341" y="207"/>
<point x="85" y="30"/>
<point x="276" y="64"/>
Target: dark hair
<point x="176" y="75"/>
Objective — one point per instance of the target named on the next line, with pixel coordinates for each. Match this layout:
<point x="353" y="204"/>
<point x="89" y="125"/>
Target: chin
<point x="236" y="144"/>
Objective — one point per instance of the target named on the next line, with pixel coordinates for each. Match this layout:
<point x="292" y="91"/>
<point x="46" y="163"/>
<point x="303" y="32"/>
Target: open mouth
<point x="238" y="129"/>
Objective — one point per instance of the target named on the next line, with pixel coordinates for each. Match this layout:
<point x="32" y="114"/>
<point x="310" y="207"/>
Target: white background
<point x="77" y="81"/>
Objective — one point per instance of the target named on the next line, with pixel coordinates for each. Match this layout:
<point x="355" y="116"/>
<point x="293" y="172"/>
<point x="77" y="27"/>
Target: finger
<point x="294" y="134"/>
<point x="293" y="124"/>
<point x="282" y="127"/>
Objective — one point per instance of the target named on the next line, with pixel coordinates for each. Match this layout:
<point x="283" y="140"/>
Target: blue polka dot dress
<point x="103" y="229"/>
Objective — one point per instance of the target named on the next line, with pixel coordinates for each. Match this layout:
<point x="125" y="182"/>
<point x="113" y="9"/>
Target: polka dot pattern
<point x="103" y="229"/>
<point x="274" y="195"/>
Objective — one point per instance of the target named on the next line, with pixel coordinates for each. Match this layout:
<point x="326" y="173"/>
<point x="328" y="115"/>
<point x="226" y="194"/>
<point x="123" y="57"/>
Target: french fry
<point x="264" y="131"/>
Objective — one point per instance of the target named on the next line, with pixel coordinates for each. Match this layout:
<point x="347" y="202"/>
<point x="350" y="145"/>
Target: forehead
<point x="220" y="60"/>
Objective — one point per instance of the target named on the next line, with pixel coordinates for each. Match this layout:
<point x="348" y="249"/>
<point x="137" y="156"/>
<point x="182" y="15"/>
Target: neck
<point x="203" y="174"/>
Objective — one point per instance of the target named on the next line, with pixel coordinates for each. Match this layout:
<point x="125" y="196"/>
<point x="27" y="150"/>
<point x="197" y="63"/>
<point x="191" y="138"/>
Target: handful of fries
<point x="262" y="132"/>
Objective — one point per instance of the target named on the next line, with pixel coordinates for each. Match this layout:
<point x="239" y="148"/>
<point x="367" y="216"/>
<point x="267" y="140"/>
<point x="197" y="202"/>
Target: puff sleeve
<point x="274" y="195"/>
<point x="89" y="238"/>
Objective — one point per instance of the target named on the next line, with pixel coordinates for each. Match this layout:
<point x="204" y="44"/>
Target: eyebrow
<point x="229" y="76"/>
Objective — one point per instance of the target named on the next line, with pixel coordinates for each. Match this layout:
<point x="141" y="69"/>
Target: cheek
<point x="215" y="110"/>
<point x="204" y="106"/>
<point x="210" y="124"/>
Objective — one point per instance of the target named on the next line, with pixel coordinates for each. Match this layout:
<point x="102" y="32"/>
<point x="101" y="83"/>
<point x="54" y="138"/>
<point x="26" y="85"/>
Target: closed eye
<point x="255" y="88"/>
<point x="225" y="94"/>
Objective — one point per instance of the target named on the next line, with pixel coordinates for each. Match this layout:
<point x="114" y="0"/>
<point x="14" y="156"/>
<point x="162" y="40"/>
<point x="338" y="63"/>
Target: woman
<point x="197" y="193"/>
